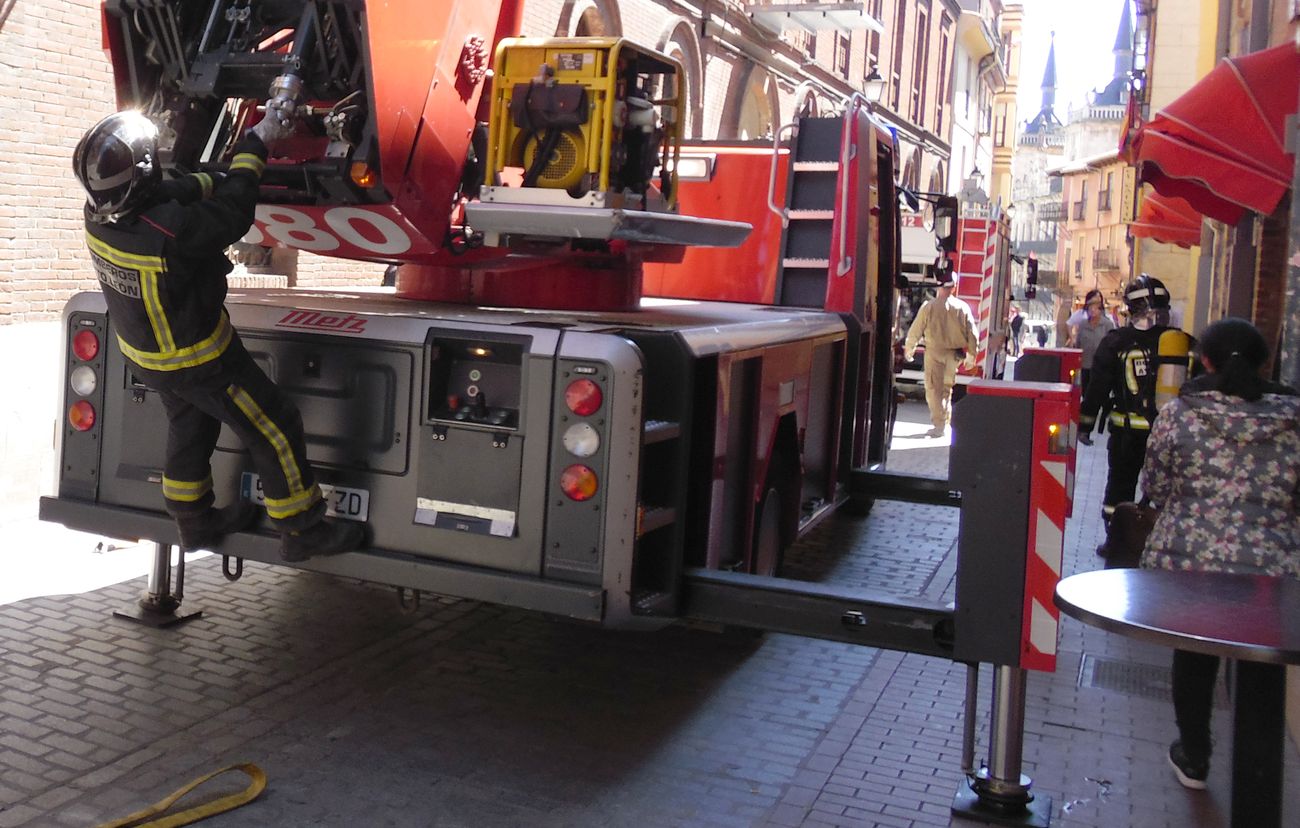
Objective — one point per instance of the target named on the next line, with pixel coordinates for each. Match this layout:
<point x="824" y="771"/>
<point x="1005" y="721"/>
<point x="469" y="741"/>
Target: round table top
<point x="1252" y="617"/>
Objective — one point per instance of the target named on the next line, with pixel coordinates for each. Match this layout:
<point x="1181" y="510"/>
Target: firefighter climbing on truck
<point x="158" y="250"/>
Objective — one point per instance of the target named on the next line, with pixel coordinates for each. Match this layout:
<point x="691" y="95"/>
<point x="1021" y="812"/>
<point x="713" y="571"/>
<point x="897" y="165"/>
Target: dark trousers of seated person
<point x="1193" y="689"/>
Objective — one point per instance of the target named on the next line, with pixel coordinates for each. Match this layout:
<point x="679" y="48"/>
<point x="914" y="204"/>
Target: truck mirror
<point x="945" y="223"/>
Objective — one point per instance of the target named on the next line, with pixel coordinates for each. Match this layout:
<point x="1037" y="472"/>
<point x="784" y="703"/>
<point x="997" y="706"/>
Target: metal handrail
<point x="781" y="212"/>
<point x="847" y="152"/>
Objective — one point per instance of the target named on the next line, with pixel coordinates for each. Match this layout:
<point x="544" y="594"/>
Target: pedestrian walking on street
<point x="158" y="248"/>
<point x="1136" y="369"/>
<point x="1017" y="323"/>
<point x="947" y="326"/>
<point x="1221" y="468"/>
<point x="1087" y="329"/>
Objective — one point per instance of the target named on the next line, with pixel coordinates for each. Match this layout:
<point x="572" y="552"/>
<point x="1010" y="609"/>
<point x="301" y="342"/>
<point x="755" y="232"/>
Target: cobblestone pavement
<point x="466" y="714"/>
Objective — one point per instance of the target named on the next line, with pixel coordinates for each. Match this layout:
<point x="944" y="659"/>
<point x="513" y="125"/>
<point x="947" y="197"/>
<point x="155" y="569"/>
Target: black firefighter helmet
<point x="1145" y="294"/>
<point x="116" y="161"/>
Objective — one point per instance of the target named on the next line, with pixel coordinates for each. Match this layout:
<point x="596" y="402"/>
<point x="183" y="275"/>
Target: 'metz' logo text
<point x="322" y="322"/>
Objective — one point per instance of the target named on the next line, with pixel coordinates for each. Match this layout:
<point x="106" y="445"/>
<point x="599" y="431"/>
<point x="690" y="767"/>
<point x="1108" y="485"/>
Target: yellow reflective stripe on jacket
<point x="199" y="353"/>
<point x="151" y="295"/>
<point x="1134" y="421"/>
<point x="205" y="183"/>
<point x="247" y="161"/>
<point x="120" y="257"/>
<point x="300" y="499"/>
<point x="150" y="269"/>
<point x="185" y="490"/>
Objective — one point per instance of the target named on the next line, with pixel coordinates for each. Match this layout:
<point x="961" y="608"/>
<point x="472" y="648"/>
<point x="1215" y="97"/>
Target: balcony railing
<point x="1080" y="210"/>
<point x="1051" y="211"/>
<point x="1105" y="259"/>
<point x="1103" y="201"/>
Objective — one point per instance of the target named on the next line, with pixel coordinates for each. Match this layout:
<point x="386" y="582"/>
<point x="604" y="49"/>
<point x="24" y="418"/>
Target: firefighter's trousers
<point x="234" y="390"/>
<point x="1125" y="452"/>
<point x="940" y="375"/>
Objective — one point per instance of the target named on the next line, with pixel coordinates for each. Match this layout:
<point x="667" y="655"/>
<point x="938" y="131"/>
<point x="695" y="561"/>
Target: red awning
<point x="1220" y="146"/>
<point x="1168" y="220"/>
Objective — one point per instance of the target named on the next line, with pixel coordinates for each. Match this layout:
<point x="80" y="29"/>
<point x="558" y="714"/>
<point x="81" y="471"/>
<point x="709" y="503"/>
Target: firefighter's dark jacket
<point x="163" y="269"/>
<point x="1138" y="371"/>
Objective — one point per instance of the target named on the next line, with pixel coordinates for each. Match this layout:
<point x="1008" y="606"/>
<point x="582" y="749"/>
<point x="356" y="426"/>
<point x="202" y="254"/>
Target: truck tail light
<point x="85" y="344"/>
<point x="579" y="482"/>
<point x="583" y="397"/>
<point x="81" y="416"/>
<point x="83" y="380"/>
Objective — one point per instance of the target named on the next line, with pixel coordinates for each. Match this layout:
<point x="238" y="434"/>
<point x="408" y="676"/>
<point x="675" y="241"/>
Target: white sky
<point x="1085" y="35"/>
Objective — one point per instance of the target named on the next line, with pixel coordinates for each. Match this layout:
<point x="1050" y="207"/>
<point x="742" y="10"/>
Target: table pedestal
<point x="1258" y="723"/>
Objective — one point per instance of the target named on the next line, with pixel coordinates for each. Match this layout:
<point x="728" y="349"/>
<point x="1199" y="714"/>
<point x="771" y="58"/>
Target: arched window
<point x="805" y="101"/>
<point x="754" y="104"/>
<point x="590" y="18"/>
<point x="679" y="40"/>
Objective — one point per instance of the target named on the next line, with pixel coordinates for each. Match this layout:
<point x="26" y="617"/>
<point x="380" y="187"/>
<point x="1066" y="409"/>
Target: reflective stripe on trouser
<point x="266" y="421"/>
<point x="940" y="374"/>
<point x="1125" y="452"/>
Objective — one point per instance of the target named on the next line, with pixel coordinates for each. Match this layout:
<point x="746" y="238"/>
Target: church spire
<point x="1049" y="78"/>
<point x="1123" y="49"/>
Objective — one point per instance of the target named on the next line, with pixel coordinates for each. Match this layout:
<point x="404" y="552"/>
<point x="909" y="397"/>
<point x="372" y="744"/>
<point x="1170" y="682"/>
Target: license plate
<point x="340" y="501"/>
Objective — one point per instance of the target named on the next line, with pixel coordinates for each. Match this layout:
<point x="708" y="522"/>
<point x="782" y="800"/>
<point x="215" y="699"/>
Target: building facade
<point x="1035" y="193"/>
<point x="1092" y="245"/>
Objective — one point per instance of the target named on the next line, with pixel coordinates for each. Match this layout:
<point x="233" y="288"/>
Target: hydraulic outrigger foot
<point x="999" y="794"/>
<point x="158" y="606"/>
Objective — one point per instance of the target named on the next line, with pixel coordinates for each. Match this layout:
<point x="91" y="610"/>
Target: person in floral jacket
<point x="1221" y="467"/>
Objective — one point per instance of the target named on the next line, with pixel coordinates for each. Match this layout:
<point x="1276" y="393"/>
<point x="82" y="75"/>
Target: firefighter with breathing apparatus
<point x="1138" y="368"/>
<point x="158" y="248"/>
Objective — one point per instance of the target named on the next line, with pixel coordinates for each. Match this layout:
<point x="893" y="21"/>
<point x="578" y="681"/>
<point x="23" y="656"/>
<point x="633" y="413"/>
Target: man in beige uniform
<point x="948" y="328"/>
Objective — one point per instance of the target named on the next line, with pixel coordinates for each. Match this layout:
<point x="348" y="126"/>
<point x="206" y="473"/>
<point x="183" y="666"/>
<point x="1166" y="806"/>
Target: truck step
<point x="649" y="602"/>
<point x="811" y="264"/>
<point x="657" y="431"/>
<point x="655" y="517"/>
<point x="810" y="215"/>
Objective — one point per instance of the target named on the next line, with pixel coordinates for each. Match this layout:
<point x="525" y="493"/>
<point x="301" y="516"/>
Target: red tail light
<point x="583" y="397"/>
<point x="579" y="482"/>
<point x="85" y="344"/>
<point x="81" y="416"/>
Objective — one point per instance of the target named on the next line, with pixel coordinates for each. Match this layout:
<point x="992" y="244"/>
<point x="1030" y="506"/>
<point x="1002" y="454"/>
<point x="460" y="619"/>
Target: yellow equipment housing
<point x="603" y="114"/>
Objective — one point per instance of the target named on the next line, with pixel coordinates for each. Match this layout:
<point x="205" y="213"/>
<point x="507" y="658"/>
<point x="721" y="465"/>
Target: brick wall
<point x="57" y="82"/>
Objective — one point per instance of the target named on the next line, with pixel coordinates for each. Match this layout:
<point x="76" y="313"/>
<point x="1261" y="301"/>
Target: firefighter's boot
<point x="205" y="530"/>
<point x="326" y="537"/>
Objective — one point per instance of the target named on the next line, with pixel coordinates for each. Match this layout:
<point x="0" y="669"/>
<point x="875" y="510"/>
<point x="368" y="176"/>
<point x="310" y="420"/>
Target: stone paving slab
<point x="466" y="714"/>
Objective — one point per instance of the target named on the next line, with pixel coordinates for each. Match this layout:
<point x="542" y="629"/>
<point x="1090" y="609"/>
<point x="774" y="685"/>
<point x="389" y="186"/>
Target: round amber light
<point x="578" y="482"/>
<point x="81" y="416"/>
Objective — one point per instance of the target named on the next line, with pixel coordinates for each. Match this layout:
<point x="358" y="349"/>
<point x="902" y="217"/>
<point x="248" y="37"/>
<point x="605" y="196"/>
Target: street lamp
<point x="873" y="86"/>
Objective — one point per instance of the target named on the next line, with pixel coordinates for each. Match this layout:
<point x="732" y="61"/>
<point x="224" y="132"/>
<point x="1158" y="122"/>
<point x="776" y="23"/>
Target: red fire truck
<point x="569" y="400"/>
